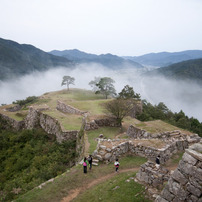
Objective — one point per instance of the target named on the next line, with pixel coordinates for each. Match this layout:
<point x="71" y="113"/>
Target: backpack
<point x="84" y="164"/>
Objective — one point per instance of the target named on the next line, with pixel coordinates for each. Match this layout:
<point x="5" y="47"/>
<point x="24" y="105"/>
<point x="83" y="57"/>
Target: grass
<point x="174" y="160"/>
<point x="108" y="132"/>
<point x="75" y="178"/>
<point x="116" y="189"/>
<point x="67" y="121"/>
<point x="158" y="126"/>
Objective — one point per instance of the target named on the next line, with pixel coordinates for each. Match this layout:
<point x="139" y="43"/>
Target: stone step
<point x="95" y="164"/>
<point x="95" y="160"/>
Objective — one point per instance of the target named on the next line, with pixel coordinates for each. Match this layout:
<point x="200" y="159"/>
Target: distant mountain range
<point x="165" y="58"/>
<point x="107" y="60"/>
<point x="19" y="59"/>
<point x="186" y="70"/>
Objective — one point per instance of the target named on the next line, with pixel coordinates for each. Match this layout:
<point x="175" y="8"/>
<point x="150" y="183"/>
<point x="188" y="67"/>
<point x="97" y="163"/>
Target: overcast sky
<point x="121" y="27"/>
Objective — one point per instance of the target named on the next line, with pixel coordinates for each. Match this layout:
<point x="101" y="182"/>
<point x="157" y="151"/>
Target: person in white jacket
<point x="116" y="164"/>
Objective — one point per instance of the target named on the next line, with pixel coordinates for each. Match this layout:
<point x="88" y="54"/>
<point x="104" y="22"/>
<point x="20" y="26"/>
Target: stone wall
<point x="17" y="125"/>
<point x="137" y="133"/>
<point x="51" y="125"/>
<point x="152" y="175"/>
<point x="68" y="109"/>
<point x="185" y="184"/>
<point x="103" y="122"/>
<point x="109" y="153"/>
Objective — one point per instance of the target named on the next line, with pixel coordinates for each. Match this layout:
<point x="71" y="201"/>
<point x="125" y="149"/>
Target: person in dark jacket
<point x="90" y="161"/>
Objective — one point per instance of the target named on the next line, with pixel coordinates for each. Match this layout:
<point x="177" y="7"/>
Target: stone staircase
<point x="95" y="162"/>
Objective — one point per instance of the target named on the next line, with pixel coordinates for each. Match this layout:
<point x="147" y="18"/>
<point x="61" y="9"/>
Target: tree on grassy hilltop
<point x="94" y="82"/>
<point x="128" y="92"/>
<point x="119" y="108"/>
<point x="67" y="80"/>
<point x="105" y="86"/>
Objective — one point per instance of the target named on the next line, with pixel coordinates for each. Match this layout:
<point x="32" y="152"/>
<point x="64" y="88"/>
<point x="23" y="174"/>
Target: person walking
<point x="90" y="161"/>
<point x="85" y="164"/>
<point x="116" y="164"/>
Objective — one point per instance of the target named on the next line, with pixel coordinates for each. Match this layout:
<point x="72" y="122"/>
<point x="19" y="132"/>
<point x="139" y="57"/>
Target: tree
<point x="128" y="92"/>
<point x="106" y="87"/>
<point x="94" y="82"/>
<point x="67" y="80"/>
<point x="119" y="108"/>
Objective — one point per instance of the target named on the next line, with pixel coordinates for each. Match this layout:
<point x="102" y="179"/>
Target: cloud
<point x="176" y="95"/>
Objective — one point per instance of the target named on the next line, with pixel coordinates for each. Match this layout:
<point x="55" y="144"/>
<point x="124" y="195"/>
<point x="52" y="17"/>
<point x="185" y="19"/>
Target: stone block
<point x="167" y="195"/>
<point x="189" y="159"/>
<point x="193" y="190"/>
<point x="107" y="156"/>
<point x="179" y="177"/>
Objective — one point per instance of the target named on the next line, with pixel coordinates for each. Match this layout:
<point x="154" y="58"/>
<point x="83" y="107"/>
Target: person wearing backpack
<point x="116" y="164"/>
<point x="85" y="164"/>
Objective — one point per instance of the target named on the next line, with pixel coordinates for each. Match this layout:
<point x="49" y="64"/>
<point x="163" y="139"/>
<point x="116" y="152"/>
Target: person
<point x="90" y="161"/>
<point x="116" y="164"/>
<point x="85" y="165"/>
<point x="158" y="161"/>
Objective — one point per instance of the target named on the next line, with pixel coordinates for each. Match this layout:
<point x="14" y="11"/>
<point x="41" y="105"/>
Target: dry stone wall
<point x="137" y="133"/>
<point x="51" y="125"/>
<point x="17" y="125"/>
<point x="104" y="122"/>
<point x="185" y="184"/>
<point x="152" y="175"/>
<point x="68" y="109"/>
<point x="109" y="153"/>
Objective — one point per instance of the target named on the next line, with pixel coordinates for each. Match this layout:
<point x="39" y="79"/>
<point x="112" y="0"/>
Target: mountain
<point x="107" y="60"/>
<point x="19" y="59"/>
<point x="165" y="58"/>
<point x="187" y="70"/>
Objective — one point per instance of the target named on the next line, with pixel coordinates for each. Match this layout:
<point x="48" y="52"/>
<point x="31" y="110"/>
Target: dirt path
<point x="87" y="145"/>
<point x="75" y="192"/>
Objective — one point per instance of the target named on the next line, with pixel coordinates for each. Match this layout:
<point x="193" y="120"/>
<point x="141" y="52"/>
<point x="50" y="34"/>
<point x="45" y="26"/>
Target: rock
<point x="178" y="176"/>
<point x="193" y="190"/>
<point x="107" y="156"/>
<point x="189" y="159"/>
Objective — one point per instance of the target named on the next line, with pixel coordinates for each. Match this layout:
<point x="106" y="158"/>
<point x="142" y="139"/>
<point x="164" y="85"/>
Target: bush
<point x="30" y="157"/>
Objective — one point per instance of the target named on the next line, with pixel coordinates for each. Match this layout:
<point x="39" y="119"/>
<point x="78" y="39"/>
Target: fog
<point x="176" y="95"/>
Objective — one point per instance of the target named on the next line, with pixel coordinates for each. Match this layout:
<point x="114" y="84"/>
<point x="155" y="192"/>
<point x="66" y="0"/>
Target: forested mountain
<point x="191" y="70"/>
<point x="165" y="58"/>
<point x="19" y="59"/>
<point x="108" y="60"/>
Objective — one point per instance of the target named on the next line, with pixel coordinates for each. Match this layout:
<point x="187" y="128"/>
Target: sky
<point x="120" y="27"/>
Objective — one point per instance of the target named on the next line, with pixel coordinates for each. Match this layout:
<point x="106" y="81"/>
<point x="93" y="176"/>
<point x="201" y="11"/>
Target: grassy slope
<point x="75" y="178"/>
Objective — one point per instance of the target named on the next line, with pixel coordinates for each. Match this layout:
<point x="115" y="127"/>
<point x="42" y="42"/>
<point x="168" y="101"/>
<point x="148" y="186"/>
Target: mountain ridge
<point x="166" y="58"/>
<point x="108" y="60"/>
<point x="19" y="59"/>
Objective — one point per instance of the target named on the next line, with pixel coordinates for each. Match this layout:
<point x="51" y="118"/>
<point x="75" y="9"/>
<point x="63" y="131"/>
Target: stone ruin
<point x="185" y="184"/>
<point x="153" y="175"/>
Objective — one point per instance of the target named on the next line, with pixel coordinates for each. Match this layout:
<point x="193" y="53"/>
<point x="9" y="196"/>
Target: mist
<point x="177" y="95"/>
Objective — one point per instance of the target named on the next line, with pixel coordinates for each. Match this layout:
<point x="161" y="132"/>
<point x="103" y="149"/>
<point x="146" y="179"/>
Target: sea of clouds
<point x="177" y="95"/>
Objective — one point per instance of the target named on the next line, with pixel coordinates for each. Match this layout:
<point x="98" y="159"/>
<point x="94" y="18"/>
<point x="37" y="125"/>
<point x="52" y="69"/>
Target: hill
<point x="187" y="70"/>
<point x="51" y="133"/>
<point x="108" y="60"/>
<point x="166" y="58"/>
<point x="19" y="59"/>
